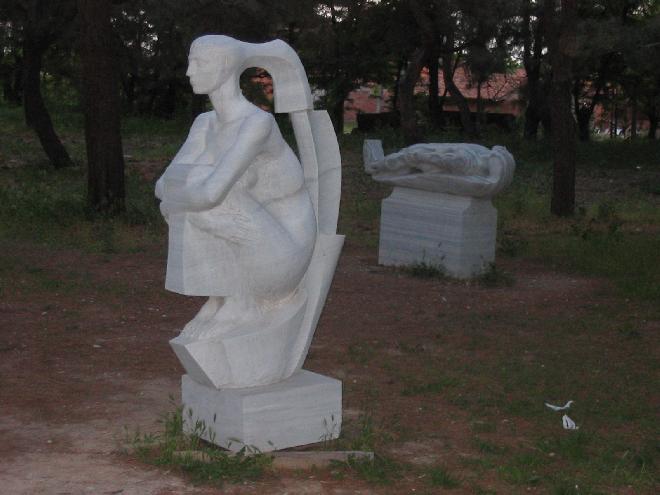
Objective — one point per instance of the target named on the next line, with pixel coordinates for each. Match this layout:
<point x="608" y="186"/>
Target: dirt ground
<point x="86" y="361"/>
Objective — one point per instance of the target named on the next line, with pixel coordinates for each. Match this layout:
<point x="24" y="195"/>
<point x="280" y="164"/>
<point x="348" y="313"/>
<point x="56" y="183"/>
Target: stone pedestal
<point x="304" y="409"/>
<point x="456" y="233"/>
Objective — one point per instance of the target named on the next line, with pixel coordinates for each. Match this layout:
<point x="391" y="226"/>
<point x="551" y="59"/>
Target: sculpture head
<point x="215" y="59"/>
<point x="212" y="61"/>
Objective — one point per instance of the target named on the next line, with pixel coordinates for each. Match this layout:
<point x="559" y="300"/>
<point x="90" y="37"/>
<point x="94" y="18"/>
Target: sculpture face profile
<point x="250" y="226"/>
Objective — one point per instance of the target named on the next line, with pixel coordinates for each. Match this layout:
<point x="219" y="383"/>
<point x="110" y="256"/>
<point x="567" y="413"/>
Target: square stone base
<point x="454" y="232"/>
<point x="304" y="409"/>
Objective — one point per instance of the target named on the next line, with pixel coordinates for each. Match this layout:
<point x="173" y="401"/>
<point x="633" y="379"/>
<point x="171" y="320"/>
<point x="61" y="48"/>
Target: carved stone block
<point x="456" y="233"/>
<point x="305" y="408"/>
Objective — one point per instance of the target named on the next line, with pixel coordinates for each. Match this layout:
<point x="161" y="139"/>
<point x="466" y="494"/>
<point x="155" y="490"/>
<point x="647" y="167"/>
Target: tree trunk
<point x="561" y="36"/>
<point x="653" y="122"/>
<point x="406" y="98"/>
<point x="435" y="112"/>
<point x="100" y="85"/>
<point x="532" y="41"/>
<point x="532" y="121"/>
<point x="36" y="113"/>
<point x="583" y="121"/>
<point x="533" y="110"/>
<point x="337" y="114"/>
<point x="456" y="95"/>
<point x="633" y="118"/>
<point x="12" y="87"/>
<point x="480" y="120"/>
<point x="128" y="83"/>
<point x="395" y="95"/>
<point x="582" y="114"/>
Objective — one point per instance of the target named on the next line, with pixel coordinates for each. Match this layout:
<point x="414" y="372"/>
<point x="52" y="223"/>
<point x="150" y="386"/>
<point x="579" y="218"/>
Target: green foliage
<point x="495" y="277"/>
<point x="361" y="435"/>
<point x="486" y="447"/>
<point x="522" y="469"/>
<point x="379" y="470"/>
<point x="435" y="385"/>
<point x="629" y="259"/>
<point x="440" y="476"/>
<point x="50" y="206"/>
<point x="362" y="352"/>
<point x="426" y="270"/>
<point x="188" y="454"/>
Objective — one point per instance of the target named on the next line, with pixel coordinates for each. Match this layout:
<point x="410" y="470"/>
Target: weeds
<point x="202" y="462"/>
<point x="495" y="277"/>
<point x="512" y="244"/>
<point x="434" y="386"/>
<point x="439" y="476"/>
<point x="522" y="469"/>
<point x="426" y="270"/>
<point x="379" y="470"/>
<point x="486" y="447"/>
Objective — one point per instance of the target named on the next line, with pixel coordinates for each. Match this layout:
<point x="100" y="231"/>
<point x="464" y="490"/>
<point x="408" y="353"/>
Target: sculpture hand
<point x="165" y="210"/>
<point x="160" y="188"/>
<point x="232" y="227"/>
<point x="238" y="229"/>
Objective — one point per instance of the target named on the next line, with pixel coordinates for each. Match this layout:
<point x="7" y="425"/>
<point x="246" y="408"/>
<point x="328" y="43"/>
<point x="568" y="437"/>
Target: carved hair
<point x="290" y="85"/>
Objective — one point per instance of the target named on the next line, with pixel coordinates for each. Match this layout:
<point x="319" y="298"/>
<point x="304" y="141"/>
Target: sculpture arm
<point x="194" y="144"/>
<point x="196" y="140"/>
<point x="252" y="137"/>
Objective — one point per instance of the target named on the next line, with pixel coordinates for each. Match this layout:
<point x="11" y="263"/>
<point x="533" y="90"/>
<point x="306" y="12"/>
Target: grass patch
<point x="426" y="271"/>
<point x="200" y="461"/>
<point x="380" y="470"/>
<point x="49" y="207"/>
<point x="360" y="434"/>
<point x="629" y="259"/>
<point x="440" y="476"/>
<point x="363" y="351"/>
<point x="486" y="447"/>
<point x="433" y="386"/>
<point x="495" y="277"/>
<point x="523" y="469"/>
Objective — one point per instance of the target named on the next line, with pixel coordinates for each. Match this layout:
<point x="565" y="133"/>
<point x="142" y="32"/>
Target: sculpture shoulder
<point x="202" y="121"/>
<point x="258" y="125"/>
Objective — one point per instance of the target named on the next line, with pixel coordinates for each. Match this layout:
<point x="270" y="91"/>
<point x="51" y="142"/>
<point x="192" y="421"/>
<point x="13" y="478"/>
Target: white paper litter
<point x="559" y="408"/>
<point x="569" y="424"/>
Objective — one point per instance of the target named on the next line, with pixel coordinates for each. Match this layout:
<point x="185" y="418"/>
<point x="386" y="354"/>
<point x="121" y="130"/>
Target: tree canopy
<point x="613" y="60"/>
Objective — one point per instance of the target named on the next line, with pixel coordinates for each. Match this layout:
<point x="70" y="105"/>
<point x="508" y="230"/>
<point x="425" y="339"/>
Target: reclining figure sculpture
<point x="461" y="169"/>
<point x="440" y="211"/>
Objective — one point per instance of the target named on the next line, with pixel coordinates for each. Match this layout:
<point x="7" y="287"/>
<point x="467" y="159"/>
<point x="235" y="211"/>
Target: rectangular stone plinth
<point x="304" y="409"/>
<point x="454" y="232"/>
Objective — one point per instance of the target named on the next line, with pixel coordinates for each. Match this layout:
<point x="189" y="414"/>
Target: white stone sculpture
<point x="440" y="212"/>
<point x="253" y="228"/>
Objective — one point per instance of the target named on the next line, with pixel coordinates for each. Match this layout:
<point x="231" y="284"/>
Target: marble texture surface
<point x="453" y="232"/>
<point x="440" y="211"/>
<point x="461" y="169"/>
<point x="305" y="408"/>
<point x="252" y="225"/>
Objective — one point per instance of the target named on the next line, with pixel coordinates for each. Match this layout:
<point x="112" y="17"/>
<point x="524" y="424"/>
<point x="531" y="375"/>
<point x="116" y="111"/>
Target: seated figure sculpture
<point x="234" y="195"/>
<point x="250" y="227"/>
